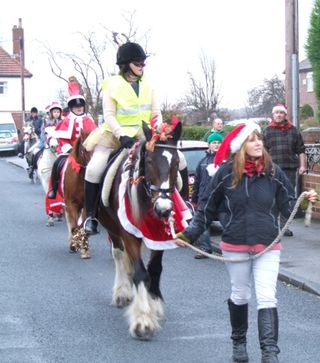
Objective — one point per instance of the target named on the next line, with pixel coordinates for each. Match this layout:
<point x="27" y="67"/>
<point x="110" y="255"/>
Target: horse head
<point x="79" y="153"/>
<point x="50" y="141"/>
<point x="158" y="166"/>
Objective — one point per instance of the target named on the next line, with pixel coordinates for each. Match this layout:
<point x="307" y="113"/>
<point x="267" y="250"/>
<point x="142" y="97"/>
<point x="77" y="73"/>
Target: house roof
<point x="305" y="65"/>
<point x="9" y="67"/>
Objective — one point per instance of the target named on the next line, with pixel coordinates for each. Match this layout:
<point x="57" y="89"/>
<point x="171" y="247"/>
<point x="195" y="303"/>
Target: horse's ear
<point x="147" y="131"/>
<point x="176" y="133"/>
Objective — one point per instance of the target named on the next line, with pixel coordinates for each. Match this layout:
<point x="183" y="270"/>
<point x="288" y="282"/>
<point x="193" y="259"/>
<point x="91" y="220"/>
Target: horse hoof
<point x="73" y="249"/>
<point x="122" y="301"/>
<point x="143" y="333"/>
<point x="85" y="255"/>
<point x="50" y="224"/>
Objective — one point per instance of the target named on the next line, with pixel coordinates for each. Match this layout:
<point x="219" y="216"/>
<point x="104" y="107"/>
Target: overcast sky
<point x="245" y="38"/>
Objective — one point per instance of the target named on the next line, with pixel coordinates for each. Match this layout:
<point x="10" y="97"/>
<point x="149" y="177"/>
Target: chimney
<point x="17" y="39"/>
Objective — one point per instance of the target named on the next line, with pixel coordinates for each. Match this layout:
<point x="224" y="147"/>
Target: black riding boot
<point x="54" y="180"/>
<point x="239" y="324"/>
<point x="268" y="326"/>
<point x="91" y="191"/>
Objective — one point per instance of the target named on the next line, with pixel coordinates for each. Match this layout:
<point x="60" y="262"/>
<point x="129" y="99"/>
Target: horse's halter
<point x="163" y="194"/>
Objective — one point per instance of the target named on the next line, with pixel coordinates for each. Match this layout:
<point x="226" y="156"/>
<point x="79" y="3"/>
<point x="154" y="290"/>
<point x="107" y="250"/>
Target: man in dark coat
<point x="285" y="145"/>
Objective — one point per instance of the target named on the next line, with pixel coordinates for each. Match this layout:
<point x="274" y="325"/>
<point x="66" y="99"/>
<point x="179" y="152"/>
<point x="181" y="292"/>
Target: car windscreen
<point x="193" y="157"/>
<point x="7" y="127"/>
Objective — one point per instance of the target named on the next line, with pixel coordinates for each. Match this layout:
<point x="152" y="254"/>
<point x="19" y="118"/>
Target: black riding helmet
<point x="130" y="52"/>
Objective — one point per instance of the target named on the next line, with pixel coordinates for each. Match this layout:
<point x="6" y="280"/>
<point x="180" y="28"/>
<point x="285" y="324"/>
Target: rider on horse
<point x="67" y="132"/>
<point x="128" y="100"/>
<point x="54" y="111"/>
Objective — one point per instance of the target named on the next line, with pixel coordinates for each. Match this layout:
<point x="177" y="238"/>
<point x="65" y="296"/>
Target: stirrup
<point x="52" y="194"/>
<point x="93" y="229"/>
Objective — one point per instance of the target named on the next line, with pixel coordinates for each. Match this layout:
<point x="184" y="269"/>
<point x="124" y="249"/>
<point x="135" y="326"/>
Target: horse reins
<point x="268" y="248"/>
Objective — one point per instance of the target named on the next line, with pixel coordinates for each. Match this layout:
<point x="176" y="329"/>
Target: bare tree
<point x="203" y="96"/>
<point x="90" y="63"/>
<point x="265" y="96"/>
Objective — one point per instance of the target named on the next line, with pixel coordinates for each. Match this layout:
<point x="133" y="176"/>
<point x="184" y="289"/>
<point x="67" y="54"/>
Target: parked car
<point x="193" y="151"/>
<point x="9" y="142"/>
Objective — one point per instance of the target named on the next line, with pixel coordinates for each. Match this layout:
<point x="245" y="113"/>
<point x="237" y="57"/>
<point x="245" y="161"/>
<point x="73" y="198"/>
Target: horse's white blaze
<point x="144" y="312"/>
<point x="122" y="288"/>
<point x="164" y="204"/>
<point x="168" y="156"/>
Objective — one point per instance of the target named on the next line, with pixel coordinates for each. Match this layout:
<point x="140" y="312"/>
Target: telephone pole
<point x="292" y="60"/>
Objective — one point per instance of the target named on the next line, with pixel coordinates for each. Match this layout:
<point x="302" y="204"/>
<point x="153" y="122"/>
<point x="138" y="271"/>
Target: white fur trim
<point x="237" y="142"/>
<point x="212" y="169"/>
<point x="65" y="148"/>
<point x="279" y="108"/>
<point x="130" y="228"/>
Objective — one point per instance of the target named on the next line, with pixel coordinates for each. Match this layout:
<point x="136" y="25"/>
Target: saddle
<point x="114" y="162"/>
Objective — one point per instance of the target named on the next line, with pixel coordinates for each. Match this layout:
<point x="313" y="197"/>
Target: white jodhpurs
<point x="263" y="271"/>
<point x="97" y="164"/>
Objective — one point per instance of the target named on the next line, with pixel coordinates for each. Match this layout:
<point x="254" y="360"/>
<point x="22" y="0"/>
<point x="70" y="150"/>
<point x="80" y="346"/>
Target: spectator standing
<point x="285" y="144"/>
<point x="254" y="190"/>
<point x="202" y="179"/>
<point x="217" y="126"/>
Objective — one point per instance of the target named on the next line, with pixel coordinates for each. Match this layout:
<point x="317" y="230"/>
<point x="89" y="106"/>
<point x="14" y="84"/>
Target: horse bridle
<point x="162" y="192"/>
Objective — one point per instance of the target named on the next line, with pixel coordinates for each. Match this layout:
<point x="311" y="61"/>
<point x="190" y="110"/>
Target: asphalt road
<point x="55" y="307"/>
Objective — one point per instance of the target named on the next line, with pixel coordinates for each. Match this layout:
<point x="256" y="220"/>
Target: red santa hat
<point x="54" y="104"/>
<point x="280" y="107"/>
<point x="232" y="143"/>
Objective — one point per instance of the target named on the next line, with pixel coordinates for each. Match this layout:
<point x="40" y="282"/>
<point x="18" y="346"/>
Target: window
<point x="309" y="78"/>
<point x="3" y="88"/>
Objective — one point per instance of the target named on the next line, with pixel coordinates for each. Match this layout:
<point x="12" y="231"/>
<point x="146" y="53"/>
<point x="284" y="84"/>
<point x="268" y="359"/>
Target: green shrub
<point x="306" y="111"/>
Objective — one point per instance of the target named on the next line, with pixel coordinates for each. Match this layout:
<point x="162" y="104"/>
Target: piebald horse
<point x="142" y="200"/>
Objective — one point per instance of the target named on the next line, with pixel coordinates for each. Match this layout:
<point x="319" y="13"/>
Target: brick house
<point x="306" y="91"/>
<point x="10" y="77"/>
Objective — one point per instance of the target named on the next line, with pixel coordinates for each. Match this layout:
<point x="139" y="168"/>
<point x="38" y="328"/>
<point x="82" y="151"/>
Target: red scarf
<point x="285" y="125"/>
<point x="252" y="167"/>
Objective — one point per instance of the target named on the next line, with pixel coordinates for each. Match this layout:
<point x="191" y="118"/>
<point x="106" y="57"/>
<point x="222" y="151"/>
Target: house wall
<point x="11" y="101"/>
<point x="305" y="96"/>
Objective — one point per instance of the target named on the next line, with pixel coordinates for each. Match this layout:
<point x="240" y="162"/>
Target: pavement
<point x="300" y="256"/>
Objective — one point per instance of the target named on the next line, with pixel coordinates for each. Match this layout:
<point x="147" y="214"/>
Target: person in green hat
<point x="202" y="178"/>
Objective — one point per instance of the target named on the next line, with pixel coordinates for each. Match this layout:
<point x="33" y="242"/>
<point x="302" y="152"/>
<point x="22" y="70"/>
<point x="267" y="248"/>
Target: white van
<point x="9" y="140"/>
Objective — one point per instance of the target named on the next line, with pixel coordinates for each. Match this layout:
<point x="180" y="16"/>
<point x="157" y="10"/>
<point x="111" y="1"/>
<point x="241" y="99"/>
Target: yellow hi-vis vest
<point x="131" y="110"/>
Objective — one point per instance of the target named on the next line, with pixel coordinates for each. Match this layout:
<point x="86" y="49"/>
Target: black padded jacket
<point x="252" y="208"/>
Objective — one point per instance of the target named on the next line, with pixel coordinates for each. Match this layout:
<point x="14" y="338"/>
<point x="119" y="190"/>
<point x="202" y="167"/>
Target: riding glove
<point x="127" y="141"/>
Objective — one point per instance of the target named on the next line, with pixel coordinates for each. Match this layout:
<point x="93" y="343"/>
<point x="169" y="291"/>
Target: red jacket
<point x="68" y="130"/>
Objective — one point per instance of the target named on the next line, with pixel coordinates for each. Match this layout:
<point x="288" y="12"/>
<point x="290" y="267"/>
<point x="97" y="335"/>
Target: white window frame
<point x="309" y="79"/>
<point x="3" y="88"/>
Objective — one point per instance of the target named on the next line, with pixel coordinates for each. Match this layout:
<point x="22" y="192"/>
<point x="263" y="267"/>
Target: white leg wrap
<point x="122" y="288"/>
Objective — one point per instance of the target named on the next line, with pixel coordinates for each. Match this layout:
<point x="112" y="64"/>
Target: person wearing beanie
<point x="201" y="180"/>
<point x="217" y="126"/>
<point x="285" y="144"/>
<point x="253" y="190"/>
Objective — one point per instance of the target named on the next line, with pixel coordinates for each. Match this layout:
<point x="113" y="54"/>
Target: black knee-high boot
<point x="239" y="324"/>
<point x="54" y="180"/>
<point x="268" y="326"/>
<point x="91" y="191"/>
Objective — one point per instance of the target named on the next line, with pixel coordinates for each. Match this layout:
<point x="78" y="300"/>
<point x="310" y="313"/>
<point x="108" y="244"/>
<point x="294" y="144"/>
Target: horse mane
<point x="137" y="194"/>
<point x="79" y="153"/>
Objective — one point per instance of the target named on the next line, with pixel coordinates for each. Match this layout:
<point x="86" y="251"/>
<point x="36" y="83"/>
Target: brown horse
<point x="143" y="187"/>
<point x="73" y="193"/>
